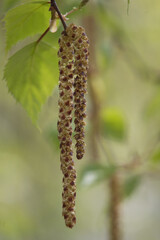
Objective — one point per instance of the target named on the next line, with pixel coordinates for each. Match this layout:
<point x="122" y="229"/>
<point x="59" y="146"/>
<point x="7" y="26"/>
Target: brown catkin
<point x="73" y="65"/>
<point x="66" y="79"/>
<point x="81" y="53"/>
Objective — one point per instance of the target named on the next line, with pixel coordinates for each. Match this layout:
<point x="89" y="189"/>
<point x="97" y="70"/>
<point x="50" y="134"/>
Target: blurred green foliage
<point x="130" y="185"/>
<point x="155" y="159"/>
<point x="113" y="124"/>
<point x="153" y="106"/>
<point x="95" y="173"/>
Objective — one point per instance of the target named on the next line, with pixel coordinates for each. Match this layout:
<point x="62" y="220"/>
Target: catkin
<point x="81" y="45"/>
<point x="66" y="79"/>
<point x="81" y="55"/>
<point x="73" y="65"/>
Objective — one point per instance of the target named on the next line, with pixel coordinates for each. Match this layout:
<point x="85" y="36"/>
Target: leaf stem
<point x="43" y="34"/>
<point x="52" y="8"/>
<point x="54" y="5"/>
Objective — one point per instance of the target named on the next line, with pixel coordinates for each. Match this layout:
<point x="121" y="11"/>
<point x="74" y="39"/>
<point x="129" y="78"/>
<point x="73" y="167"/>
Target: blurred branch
<point x="122" y="41"/>
<point x="106" y="150"/>
<point x="140" y="162"/>
<point x="136" y="62"/>
<point x="91" y="29"/>
<point x="115" y="208"/>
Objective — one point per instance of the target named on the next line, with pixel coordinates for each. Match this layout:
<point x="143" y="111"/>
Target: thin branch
<point x="54" y="5"/>
<point x="53" y="8"/>
<point x="71" y="11"/>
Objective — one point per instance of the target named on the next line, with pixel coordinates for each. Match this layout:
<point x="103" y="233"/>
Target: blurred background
<point x="118" y="186"/>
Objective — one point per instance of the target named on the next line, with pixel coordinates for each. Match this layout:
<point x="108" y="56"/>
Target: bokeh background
<point x="122" y="130"/>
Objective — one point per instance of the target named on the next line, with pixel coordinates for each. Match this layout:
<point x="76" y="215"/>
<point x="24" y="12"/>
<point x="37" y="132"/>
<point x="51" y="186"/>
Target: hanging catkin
<point x="66" y="79"/>
<point x="73" y="65"/>
<point x="81" y="45"/>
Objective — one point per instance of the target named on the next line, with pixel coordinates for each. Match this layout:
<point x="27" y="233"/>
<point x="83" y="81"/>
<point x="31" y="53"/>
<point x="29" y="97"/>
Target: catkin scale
<point x="73" y="65"/>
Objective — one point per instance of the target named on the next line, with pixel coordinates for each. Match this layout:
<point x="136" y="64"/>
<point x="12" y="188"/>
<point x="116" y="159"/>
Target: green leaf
<point x="156" y="157"/>
<point x="26" y="20"/>
<point x="113" y="124"/>
<point x="31" y="74"/>
<point x="95" y="173"/>
<point x="130" y="185"/>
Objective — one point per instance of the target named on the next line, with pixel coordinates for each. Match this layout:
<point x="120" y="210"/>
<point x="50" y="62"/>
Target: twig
<point x="54" y="5"/>
<point x="52" y="9"/>
<point x="72" y="11"/>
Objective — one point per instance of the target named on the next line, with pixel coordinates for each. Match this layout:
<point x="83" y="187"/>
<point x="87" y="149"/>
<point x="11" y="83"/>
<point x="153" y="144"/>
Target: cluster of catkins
<point x="73" y="65"/>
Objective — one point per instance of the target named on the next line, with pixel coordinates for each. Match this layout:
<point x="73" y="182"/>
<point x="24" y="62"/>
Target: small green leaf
<point x="156" y="157"/>
<point x="130" y="185"/>
<point x="31" y="74"/>
<point x="83" y="3"/>
<point x="113" y="124"/>
<point x="95" y="173"/>
<point x="26" y="20"/>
